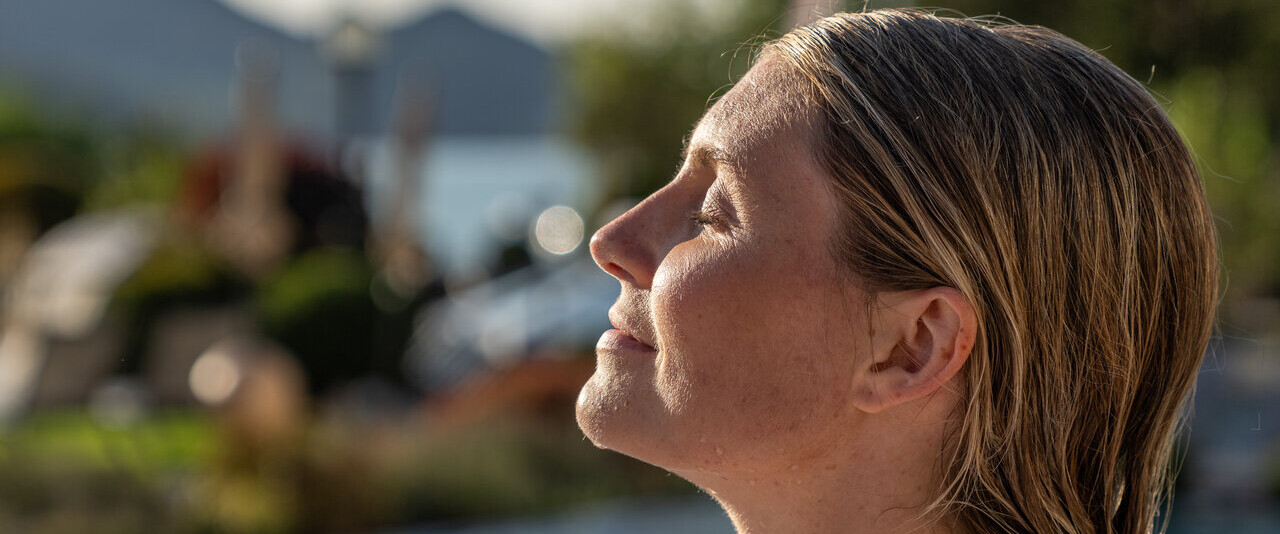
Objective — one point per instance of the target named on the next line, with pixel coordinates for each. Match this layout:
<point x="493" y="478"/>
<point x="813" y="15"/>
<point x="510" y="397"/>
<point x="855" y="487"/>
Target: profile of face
<point x="735" y="342"/>
<point x="798" y="304"/>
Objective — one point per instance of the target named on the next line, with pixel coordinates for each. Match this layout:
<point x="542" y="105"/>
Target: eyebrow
<point x="704" y="154"/>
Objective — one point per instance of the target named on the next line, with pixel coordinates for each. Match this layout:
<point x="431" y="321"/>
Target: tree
<point x="636" y="99"/>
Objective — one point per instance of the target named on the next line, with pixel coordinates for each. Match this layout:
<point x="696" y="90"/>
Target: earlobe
<point x="923" y="340"/>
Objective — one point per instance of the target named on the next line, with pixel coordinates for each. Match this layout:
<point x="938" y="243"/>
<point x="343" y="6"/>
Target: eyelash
<point x="703" y="218"/>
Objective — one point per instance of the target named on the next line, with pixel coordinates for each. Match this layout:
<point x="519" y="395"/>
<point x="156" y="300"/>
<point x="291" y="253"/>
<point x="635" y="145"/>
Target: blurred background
<point x="319" y="266"/>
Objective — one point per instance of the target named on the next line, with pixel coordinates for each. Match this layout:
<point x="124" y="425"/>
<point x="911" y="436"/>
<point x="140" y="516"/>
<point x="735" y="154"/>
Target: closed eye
<point x="705" y="218"/>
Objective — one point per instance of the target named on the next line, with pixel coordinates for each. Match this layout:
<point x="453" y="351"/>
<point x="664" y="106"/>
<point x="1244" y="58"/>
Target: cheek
<point x="771" y="296"/>
<point x="708" y="305"/>
<point x="746" y="342"/>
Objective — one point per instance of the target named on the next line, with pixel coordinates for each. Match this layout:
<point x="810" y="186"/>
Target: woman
<point x="916" y="274"/>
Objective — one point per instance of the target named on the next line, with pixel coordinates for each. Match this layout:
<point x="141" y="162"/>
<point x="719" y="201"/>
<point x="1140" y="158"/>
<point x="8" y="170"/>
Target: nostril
<point x="602" y="253"/>
<point x="618" y="272"/>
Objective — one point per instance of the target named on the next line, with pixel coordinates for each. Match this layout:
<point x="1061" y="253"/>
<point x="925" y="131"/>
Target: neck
<point x="883" y="483"/>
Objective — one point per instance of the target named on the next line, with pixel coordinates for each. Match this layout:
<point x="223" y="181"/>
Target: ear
<point x="921" y="340"/>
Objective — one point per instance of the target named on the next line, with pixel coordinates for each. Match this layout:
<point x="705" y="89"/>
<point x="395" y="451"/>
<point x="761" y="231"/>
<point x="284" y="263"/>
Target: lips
<point x="626" y="332"/>
<point x="618" y="341"/>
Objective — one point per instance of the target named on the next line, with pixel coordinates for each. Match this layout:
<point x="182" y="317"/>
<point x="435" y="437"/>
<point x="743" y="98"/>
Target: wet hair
<point x="1046" y="185"/>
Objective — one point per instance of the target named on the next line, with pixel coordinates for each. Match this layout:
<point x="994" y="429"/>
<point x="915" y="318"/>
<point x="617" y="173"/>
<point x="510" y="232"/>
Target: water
<point x="477" y="188"/>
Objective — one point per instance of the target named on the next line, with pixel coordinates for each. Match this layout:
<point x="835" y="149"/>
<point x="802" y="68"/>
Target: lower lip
<point x="619" y="341"/>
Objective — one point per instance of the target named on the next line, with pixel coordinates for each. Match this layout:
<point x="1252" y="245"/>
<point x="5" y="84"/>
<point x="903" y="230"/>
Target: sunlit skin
<point x="747" y="360"/>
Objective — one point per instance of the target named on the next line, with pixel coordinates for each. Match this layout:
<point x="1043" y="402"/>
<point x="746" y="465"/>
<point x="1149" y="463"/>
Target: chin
<point x="588" y="411"/>
<point x="604" y="412"/>
<point x="615" y="415"/>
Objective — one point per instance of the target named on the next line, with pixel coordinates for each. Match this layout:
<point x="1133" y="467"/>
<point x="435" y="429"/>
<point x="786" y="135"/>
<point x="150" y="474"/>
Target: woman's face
<point x="736" y="330"/>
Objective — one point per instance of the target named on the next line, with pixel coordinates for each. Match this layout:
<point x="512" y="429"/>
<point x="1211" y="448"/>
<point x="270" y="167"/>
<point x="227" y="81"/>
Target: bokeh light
<point x="558" y="230"/>
<point x="215" y="376"/>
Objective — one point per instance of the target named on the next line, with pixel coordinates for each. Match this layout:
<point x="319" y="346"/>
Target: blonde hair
<point x="1047" y="186"/>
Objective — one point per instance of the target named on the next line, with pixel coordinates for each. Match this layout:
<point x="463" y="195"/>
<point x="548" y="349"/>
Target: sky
<point x="544" y="21"/>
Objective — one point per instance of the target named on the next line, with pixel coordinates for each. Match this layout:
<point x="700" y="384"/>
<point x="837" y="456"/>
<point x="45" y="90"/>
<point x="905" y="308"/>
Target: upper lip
<point x="631" y="327"/>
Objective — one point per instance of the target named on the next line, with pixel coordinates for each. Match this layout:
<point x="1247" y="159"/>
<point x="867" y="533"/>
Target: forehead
<point x="767" y="103"/>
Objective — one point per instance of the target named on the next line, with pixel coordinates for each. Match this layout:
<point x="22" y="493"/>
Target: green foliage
<point x="46" y="163"/>
<point x="51" y="161"/>
<point x="178" y="270"/>
<point x="509" y="466"/>
<point x="142" y="167"/>
<point x="319" y="307"/>
<point x="158" y="444"/>
<point x="65" y="473"/>
<point x="309" y="280"/>
<point x="1235" y="147"/>
<point x="239" y="503"/>
<point x="636" y="100"/>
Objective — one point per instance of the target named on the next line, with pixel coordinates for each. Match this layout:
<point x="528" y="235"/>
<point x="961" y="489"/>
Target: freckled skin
<point x="770" y="370"/>
<point x="757" y="342"/>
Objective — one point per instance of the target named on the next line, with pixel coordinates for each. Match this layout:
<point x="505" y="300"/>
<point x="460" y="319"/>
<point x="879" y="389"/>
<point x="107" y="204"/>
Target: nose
<point x="631" y="247"/>
<point x="619" y="249"/>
